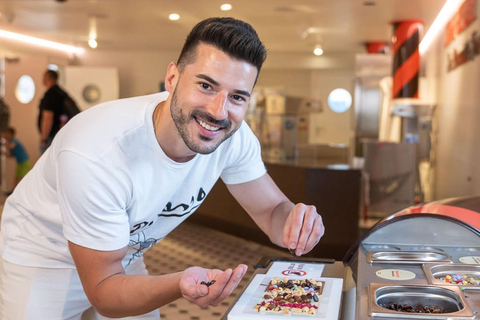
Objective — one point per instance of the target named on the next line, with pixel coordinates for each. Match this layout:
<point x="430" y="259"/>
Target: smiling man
<point x="120" y="176"/>
<point x="209" y="100"/>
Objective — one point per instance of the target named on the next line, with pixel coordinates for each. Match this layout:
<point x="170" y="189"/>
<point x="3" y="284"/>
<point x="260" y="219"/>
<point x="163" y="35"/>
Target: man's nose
<point x="218" y="106"/>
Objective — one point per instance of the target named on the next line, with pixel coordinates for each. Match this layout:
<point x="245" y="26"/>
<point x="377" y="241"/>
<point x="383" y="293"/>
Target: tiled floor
<point x="192" y="245"/>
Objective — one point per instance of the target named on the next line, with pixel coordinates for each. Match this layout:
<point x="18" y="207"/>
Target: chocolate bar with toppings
<point x="287" y="296"/>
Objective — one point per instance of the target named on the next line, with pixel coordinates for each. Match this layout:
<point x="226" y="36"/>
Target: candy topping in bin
<point x="460" y="279"/>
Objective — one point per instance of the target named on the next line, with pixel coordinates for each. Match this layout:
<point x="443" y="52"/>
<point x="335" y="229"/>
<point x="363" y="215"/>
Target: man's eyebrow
<point x="216" y="83"/>
<point x="242" y="92"/>
<point x="205" y="77"/>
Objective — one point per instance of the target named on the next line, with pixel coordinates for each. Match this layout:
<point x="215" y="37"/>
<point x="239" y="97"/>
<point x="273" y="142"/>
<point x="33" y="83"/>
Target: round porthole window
<point x="91" y="93"/>
<point x="339" y="100"/>
<point x="25" y="89"/>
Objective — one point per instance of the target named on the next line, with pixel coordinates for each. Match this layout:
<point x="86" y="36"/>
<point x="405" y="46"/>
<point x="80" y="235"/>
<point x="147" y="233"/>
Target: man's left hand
<point x="303" y="229"/>
<point x="204" y="295"/>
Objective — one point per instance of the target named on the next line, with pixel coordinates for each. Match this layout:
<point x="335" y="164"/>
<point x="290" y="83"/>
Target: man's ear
<point x="172" y="77"/>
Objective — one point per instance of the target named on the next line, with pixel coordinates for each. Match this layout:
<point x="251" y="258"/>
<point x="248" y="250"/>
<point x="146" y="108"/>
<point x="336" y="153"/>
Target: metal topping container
<point x="419" y="263"/>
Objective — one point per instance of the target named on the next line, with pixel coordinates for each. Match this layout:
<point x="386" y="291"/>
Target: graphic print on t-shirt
<point x="140" y="242"/>
<point x="183" y="208"/>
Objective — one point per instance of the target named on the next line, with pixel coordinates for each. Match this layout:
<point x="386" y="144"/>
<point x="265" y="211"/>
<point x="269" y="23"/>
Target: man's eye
<point x="238" y="98"/>
<point x="205" y="85"/>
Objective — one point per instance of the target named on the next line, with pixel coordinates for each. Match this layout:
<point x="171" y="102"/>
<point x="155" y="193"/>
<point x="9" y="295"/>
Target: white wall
<point x="23" y="117"/>
<point x="334" y="127"/>
<point x="140" y="72"/>
<point x="330" y="127"/>
<point x="296" y="83"/>
<point x="458" y="118"/>
<point x="104" y="80"/>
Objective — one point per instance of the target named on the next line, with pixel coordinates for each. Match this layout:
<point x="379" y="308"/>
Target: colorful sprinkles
<point x="460" y="279"/>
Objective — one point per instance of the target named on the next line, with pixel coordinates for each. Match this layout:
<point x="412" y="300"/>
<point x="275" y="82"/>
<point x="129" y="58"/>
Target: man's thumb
<point x="202" y="290"/>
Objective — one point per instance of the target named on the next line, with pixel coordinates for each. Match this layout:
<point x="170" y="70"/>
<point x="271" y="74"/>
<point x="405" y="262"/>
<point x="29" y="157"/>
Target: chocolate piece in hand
<point x="208" y="284"/>
<point x="292" y="252"/>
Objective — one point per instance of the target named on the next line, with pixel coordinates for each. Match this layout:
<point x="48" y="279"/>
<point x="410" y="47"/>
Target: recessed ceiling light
<point x="92" y="43"/>
<point x="174" y="16"/>
<point x="226" y="7"/>
<point x="318" y="51"/>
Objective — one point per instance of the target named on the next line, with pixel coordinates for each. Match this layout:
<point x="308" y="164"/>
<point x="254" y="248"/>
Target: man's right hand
<point x="225" y="282"/>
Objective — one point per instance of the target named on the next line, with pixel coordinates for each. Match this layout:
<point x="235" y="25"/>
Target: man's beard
<point x="182" y="120"/>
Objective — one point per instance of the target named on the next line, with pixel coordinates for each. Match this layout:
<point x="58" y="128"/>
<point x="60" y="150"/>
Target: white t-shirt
<point x="105" y="183"/>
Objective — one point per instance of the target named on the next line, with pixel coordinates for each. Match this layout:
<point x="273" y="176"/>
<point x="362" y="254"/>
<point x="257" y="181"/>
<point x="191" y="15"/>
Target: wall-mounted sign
<point x="470" y="50"/>
<point x="465" y="15"/>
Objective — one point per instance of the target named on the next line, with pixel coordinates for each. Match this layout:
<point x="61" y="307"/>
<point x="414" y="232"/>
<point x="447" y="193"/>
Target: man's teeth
<point x="207" y="126"/>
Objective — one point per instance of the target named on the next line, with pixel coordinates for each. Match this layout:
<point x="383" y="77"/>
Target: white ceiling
<point x="285" y="26"/>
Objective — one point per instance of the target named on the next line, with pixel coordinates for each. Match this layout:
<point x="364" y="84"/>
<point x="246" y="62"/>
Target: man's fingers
<point x="303" y="236"/>
<point x="317" y="233"/>
<point x="233" y="282"/>
<point x="309" y="232"/>
<point x="293" y="226"/>
<point x="303" y="229"/>
<point x="224" y="284"/>
<point x="215" y="290"/>
<point x="202" y="291"/>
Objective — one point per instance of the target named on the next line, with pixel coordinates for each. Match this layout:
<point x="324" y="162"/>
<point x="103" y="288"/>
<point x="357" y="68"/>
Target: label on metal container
<point x="395" y="274"/>
<point x="470" y="260"/>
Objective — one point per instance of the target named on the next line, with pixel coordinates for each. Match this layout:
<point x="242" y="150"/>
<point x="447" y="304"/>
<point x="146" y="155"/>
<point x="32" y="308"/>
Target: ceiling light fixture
<point x="449" y="9"/>
<point x="226" y="7"/>
<point x="92" y="36"/>
<point x="318" y="51"/>
<point x="92" y="32"/>
<point x="174" y="16"/>
<point x="41" y="42"/>
<point x="92" y="43"/>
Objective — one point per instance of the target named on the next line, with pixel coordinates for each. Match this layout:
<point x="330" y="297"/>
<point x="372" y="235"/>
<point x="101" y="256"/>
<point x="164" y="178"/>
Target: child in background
<point x="14" y="148"/>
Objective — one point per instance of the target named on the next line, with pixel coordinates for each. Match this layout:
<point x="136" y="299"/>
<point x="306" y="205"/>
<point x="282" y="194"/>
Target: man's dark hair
<point x="12" y="131"/>
<point x="234" y="37"/>
<point x="52" y="74"/>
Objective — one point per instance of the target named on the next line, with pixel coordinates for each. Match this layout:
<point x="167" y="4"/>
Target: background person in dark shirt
<point x="51" y="109"/>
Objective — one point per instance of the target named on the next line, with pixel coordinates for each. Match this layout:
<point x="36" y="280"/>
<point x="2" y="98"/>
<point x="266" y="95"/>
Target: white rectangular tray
<point x="328" y="309"/>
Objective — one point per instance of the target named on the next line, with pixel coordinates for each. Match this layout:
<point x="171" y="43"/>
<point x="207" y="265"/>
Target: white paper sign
<point x="295" y="270"/>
